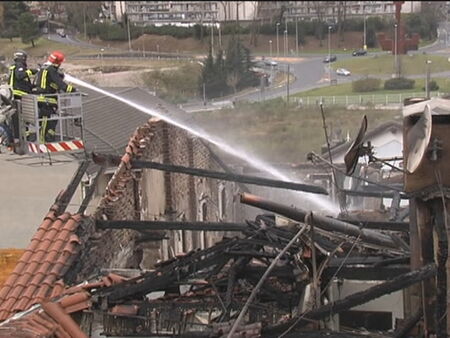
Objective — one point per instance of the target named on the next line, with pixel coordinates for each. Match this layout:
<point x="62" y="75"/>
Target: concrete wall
<point x="28" y="189"/>
<point x="388" y="303"/>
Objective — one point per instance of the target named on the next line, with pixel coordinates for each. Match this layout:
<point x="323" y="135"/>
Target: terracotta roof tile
<point x="50" y="319"/>
<point x="134" y="149"/>
<point x="47" y="256"/>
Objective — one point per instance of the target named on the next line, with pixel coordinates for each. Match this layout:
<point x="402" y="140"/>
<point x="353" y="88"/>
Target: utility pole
<point x="296" y="35"/>
<point x="395" y="50"/>
<point x="286" y="48"/>
<point x="129" y="35"/>
<point x="287" y="86"/>
<point x="84" y="20"/>
<point x="329" y="53"/>
<point x="427" y="81"/>
<point x="220" y="38"/>
<point x="204" y="94"/>
<point x="278" y="42"/>
<point x="212" y="38"/>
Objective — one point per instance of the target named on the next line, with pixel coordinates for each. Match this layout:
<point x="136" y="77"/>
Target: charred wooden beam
<point x="176" y="270"/>
<point x="325" y="223"/>
<point x="365" y="272"/>
<point x="284" y="272"/>
<point x="367" y="260"/>
<point x="380" y="194"/>
<point x="355" y="299"/>
<point x="391" y="226"/>
<point x="167" y="225"/>
<point x="90" y="192"/>
<point x="64" y="199"/>
<point x="255" y="254"/>
<point x="224" y="176"/>
<point x="409" y="323"/>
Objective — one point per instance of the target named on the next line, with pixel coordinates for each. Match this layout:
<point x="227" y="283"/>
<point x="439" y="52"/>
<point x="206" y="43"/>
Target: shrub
<point x="433" y="86"/>
<point x="399" y="83"/>
<point x="366" y="85"/>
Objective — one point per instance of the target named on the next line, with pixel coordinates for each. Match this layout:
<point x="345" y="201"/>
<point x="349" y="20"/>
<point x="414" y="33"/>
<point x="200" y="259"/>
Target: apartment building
<point x="328" y="10"/>
<point x="180" y="12"/>
<point x="207" y="12"/>
<point x="165" y="12"/>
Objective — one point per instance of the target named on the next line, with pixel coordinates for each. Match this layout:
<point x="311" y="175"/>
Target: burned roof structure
<point x="165" y="253"/>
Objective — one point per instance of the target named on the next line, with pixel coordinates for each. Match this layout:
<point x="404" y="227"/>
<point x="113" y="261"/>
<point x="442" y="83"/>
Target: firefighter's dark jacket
<point x="50" y="81"/>
<point x="19" y="79"/>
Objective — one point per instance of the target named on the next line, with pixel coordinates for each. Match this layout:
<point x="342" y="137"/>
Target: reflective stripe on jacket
<point x="19" y="79"/>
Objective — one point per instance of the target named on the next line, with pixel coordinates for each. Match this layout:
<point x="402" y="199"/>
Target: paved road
<point x="70" y="40"/>
<point x="309" y="73"/>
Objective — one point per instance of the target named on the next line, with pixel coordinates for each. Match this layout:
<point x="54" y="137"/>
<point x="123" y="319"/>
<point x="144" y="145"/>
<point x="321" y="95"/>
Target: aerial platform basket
<point x="69" y="127"/>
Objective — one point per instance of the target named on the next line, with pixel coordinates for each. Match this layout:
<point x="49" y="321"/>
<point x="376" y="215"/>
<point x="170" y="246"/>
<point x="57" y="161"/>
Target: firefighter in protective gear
<point x="50" y="80"/>
<point x="20" y="82"/>
<point x="20" y="75"/>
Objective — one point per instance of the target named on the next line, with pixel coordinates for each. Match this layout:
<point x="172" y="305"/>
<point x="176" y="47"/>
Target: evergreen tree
<point x="28" y="28"/>
<point x="220" y="76"/>
<point x="11" y="13"/>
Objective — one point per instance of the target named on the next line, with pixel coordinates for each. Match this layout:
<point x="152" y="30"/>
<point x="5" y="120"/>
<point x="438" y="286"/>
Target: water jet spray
<point x="319" y="201"/>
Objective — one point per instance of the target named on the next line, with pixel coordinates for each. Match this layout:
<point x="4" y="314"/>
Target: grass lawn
<point x="383" y="64"/>
<point x="277" y="133"/>
<point x="42" y="48"/>
<point x="346" y="89"/>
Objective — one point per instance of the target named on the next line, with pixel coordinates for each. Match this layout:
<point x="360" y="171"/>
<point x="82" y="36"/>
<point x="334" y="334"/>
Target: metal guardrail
<point x="364" y="99"/>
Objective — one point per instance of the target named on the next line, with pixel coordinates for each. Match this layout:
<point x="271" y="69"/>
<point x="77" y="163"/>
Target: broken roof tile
<point x="41" y="265"/>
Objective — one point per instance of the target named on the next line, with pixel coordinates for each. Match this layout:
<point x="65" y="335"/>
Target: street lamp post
<point x="128" y="33"/>
<point x="101" y="56"/>
<point x="427" y="81"/>
<point x="278" y="43"/>
<point x="270" y="48"/>
<point x="365" y="33"/>
<point x="329" y="53"/>
<point x="286" y="37"/>
<point x="395" y="51"/>
<point x="296" y="35"/>
<point x="212" y="38"/>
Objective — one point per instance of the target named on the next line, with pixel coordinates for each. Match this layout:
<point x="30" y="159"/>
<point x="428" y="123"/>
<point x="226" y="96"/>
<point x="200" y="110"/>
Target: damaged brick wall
<point x="156" y="195"/>
<point x="183" y="194"/>
<point x="115" y="248"/>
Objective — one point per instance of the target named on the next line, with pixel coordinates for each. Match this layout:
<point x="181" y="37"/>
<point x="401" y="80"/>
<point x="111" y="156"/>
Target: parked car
<point x="359" y="52"/>
<point x="332" y="58"/>
<point x="343" y="72"/>
<point x="270" y="63"/>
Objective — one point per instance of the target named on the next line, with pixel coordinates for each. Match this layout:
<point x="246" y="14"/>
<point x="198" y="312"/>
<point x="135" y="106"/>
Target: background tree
<point x="224" y="75"/>
<point x="79" y="12"/>
<point x="341" y="15"/>
<point x="319" y="7"/>
<point x="28" y="28"/>
<point x="11" y="13"/>
<point x="2" y="26"/>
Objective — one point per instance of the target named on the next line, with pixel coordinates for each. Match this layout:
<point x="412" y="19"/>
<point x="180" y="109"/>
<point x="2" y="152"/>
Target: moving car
<point x="331" y="58"/>
<point x="343" y="72"/>
<point x="359" y="52"/>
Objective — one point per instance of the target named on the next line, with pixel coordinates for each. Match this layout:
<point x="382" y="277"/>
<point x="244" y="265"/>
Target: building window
<point x="203" y="217"/>
<point x="222" y="201"/>
<point x="203" y="211"/>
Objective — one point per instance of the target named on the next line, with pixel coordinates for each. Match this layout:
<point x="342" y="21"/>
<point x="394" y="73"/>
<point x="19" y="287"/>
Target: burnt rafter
<point x="380" y="225"/>
<point x="358" y="298"/>
<point x="224" y="176"/>
<point x="168" y="225"/>
<point x="379" y="194"/>
<point x="325" y="223"/>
